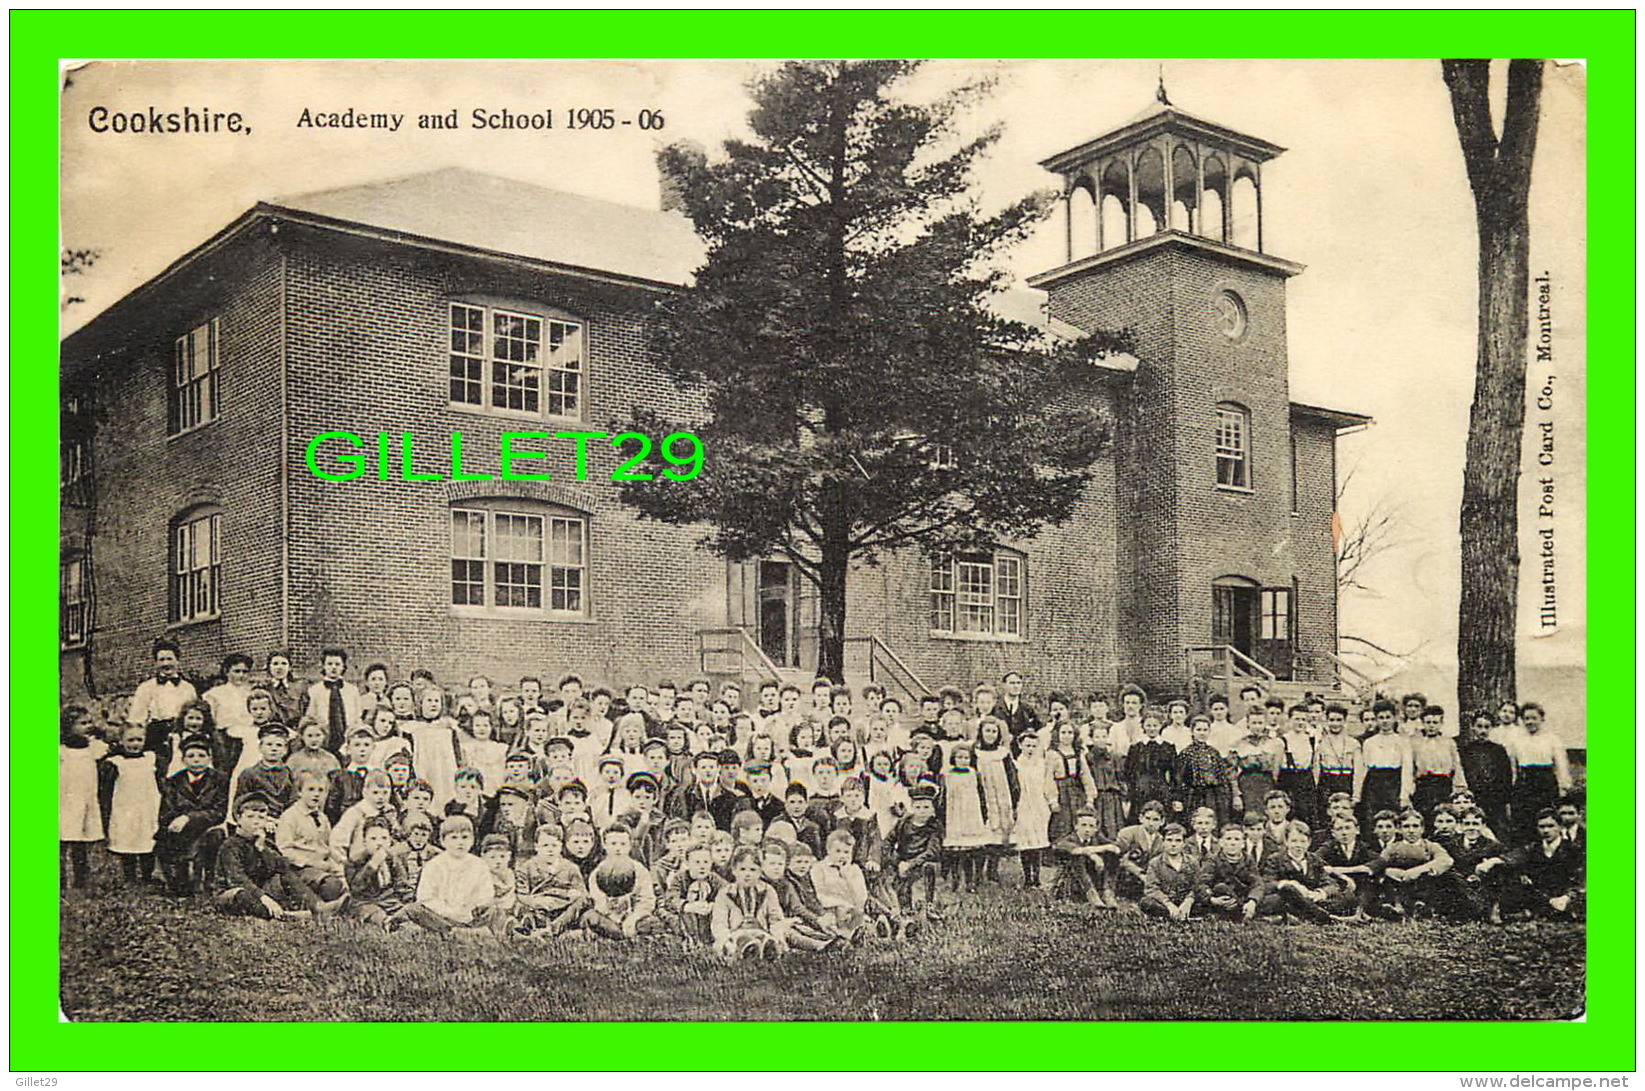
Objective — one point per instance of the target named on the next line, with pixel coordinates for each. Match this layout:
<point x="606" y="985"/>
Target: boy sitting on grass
<point x="1082" y="874"/>
<point x="497" y="856"/>
<point x="747" y="919"/>
<point x="688" y="900"/>
<point x="1168" y="884"/>
<point x="371" y="875"/>
<point x="1229" y="886"/>
<point x="551" y="893"/>
<point x="257" y="880"/>
<point x="624" y="897"/>
<point x="456" y="887"/>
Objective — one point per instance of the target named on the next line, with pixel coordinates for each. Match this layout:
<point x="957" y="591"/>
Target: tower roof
<point x="1161" y="116"/>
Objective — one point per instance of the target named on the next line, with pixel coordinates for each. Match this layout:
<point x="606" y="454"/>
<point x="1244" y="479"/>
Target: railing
<point x="1335" y="671"/>
<point x="733" y="651"/>
<point x="1220" y="668"/>
<point x="885" y="667"/>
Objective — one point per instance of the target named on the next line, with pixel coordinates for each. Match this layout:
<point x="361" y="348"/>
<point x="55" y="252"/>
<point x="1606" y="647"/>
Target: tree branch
<point x="1469" y="82"/>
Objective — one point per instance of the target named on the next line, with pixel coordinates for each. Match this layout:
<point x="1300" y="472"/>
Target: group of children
<point x="806" y="822"/>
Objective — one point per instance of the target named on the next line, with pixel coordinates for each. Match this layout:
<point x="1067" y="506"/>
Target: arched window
<point x="1115" y="204"/>
<point x="1233" y="446"/>
<point x="1082" y="221"/>
<point x="1242" y="208"/>
<point x="1211" y="202"/>
<point x="980" y="595"/>
<point x="1150" y="192"/>
<point x="196" y="565"/>
<point x="1184" y="190"/>
<point x="513" y="556"/>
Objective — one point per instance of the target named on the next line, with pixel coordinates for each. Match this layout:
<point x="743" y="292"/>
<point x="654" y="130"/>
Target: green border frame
<point x="1605" y="1042"/>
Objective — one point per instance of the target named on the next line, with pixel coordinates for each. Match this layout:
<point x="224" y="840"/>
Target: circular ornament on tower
<point x="1229" y="312"/>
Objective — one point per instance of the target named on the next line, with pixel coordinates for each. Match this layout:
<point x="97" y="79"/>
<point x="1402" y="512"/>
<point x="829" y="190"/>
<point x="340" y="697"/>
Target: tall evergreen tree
<point x="859" y="394"/>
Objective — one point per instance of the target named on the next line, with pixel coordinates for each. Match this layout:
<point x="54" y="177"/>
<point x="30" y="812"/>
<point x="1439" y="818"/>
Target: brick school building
<point x="460" y="302"/>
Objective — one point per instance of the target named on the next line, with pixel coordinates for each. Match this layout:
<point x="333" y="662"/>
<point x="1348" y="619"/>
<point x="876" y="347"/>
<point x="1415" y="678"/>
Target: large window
<point x="1233" y="446"/>
<point x="74" y="449"/>
<point x="196" y="385"/>
<point x="197" y="567"/>
<point x="514" y="362"/>
<point x="1274" y="617"/>
<point x="71" y="596"/>
<point x="978" y="594"/>
<point x="517" y="560"/>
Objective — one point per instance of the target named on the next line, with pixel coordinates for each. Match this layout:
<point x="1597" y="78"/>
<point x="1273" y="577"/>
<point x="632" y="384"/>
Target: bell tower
<point x="1165" y="239"/>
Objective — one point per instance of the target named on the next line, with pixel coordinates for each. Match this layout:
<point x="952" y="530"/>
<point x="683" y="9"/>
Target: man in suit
<point x="1549" y="871"/>
<point x="1019" y="715"/>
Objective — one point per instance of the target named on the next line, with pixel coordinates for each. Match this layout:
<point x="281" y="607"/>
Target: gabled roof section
<point x="1161" y="117"/>
<point x="484" y="212"/>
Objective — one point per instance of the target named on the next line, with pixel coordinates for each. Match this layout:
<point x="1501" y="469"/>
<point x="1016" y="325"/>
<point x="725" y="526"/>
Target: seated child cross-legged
<point x="257" y="880"/>
<point x="1168" y="884"/>
<point x="747" y="921"/>
<point x="689" y="898"/>
<point x="1298" y="882"/>
<point x="1228" y="885"/>
<point x="623" y="894"/>
<point x="1412" y="866"/>
<point x="550" y="892"/>
<point x="455" y="887"/>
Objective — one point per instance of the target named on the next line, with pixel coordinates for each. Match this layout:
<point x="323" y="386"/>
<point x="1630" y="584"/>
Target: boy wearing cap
<point x="643" y="816"/>
<point x="269" y="777"/>
<point x="194" y="799"/>
<point x="914" y="850"/>
<point x="257" y="880"/>
<point x="455" y="887"/>
<point x="550" y="891"/>
<point x="515" y="818"/>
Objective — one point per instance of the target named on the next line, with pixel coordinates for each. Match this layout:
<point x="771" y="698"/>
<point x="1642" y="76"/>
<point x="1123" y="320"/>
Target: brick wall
<point x="142" y="480"/>
<point x="1179" y="530"/>
<point x="367" y="339"/>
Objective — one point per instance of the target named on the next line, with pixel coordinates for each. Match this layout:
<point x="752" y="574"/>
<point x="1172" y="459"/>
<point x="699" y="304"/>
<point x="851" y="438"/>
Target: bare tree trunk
<point x="1499" y="173"/>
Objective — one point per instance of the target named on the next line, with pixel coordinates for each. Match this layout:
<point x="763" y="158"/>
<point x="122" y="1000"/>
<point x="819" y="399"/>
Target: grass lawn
<point x="1001" y="954"/>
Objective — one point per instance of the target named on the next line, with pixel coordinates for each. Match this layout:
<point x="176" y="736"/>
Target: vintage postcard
<point x="664" y="540"/>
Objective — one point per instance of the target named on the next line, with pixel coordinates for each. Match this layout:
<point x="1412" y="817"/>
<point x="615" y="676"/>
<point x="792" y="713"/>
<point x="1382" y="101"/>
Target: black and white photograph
<point x="1023" y="540"/>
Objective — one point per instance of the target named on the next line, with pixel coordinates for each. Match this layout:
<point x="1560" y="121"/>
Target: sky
<point x="1371" y="196"/>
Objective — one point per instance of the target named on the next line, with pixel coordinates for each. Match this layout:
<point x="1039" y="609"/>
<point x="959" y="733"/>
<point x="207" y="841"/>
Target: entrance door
<point x="776" y="619"/>
<point x="1234" y="608"/>
<point x="1276" y="628"/>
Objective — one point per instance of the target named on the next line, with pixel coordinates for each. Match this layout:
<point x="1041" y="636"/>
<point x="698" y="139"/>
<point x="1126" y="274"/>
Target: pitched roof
<point x="483" y="211"/>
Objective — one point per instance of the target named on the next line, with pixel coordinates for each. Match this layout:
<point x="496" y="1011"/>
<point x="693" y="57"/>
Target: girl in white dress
<point x="965" y="815"/>
<point x="79" y="818"/>
<point x="1031" y="836"/>
<point x="435" y="748"/>
<point x="134" y="805"/>
<point x="998" y="774"/>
